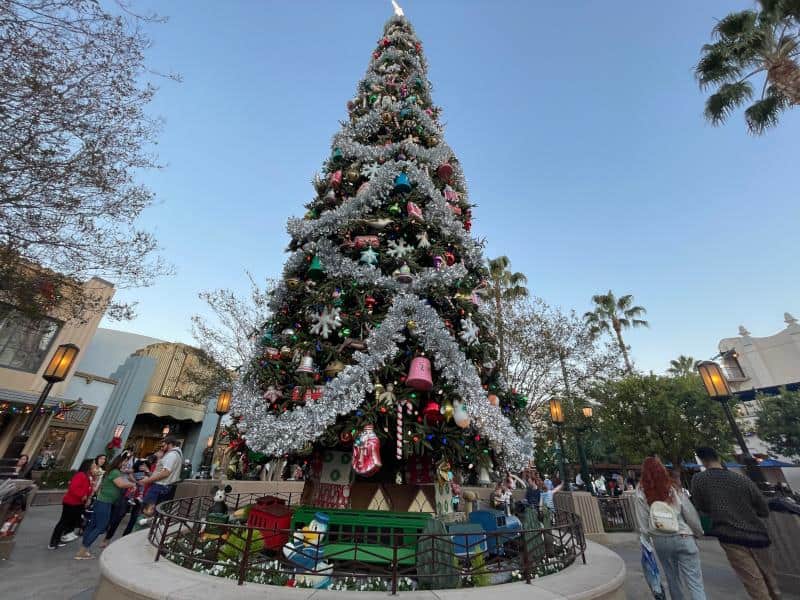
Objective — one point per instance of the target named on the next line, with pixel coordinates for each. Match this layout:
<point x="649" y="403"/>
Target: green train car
<point x="367" y="535"/>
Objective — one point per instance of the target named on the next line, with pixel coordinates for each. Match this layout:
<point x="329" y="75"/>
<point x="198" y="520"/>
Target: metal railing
<point x="377" y="560"/>
<point x="617" y="514"/>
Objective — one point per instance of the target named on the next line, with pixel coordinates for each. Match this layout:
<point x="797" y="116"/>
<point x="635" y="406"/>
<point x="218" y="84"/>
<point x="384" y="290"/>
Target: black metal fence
<point x="617" y="514"/>
<point x="184" y="534"/>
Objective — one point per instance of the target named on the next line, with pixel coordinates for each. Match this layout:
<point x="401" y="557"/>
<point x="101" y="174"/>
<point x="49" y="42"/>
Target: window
<point x="24" y="342"/>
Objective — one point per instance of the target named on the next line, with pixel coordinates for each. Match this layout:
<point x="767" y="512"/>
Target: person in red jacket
<point x="73" y="504"/>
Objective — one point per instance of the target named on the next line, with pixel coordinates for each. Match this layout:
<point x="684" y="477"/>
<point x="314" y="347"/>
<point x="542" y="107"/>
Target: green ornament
<point x="394" y="209"/>
<point x="373" y="98"/>
<point x="337" y="154"/>
<point x="315" y="270"/>
<point x="346" y="332"/>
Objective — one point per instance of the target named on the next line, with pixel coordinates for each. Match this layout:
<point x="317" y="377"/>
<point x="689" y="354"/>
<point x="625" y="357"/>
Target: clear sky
<point x="578" y="124"/>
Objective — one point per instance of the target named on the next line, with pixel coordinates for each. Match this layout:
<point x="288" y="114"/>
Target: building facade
<point x="757" y="367"/>
<point x="26" y="346"/>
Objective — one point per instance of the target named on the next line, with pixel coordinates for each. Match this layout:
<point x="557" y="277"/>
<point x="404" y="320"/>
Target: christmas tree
<point x="377" y="344"/>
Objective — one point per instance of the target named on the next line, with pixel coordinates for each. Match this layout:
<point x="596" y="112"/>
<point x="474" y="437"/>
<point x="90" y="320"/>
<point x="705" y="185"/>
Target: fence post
<point x="163" y="537"/>
<point x="394" y="565"/>
<point x="245" y="555"/>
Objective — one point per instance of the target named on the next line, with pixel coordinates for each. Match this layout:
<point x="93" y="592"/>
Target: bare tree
<point x="229" y="336"/>
<point x="551" y="352"/>
<point x="73" y="135"/>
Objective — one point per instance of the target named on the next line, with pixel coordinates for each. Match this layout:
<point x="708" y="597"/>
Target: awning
<point x="180" y="410"/>
<point x="17" y="397"/>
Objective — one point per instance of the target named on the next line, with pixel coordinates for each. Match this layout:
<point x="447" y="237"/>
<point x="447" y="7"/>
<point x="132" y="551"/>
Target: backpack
<point x="663" y="517"/>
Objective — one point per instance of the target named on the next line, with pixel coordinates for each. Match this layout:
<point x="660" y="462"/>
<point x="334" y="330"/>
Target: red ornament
<point x="432" y="412"/>
<point x="445" y="172"/>
<point x="467" y="224"/>
<point x="346" y="437"/>
<point x="450" y="258"/>
<point x="370" y="302"/>
<point x="385" y="42"/>
<point x="376" y="55"/>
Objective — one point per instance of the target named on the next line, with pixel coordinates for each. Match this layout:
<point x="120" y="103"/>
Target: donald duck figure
<point x="305" y="551"/>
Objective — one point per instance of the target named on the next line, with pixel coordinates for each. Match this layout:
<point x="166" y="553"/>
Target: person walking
<point x="737" y="509"/>
<point x="72" y="505"/>
<point x="108" y="494"/>
<point x="665" y="514"/>
<point x="546" y="498"/>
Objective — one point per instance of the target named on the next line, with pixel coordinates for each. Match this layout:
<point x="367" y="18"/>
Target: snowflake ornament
<point x="398" y="248"/>
<point x="423" y="242"/>
<point x="369" y="256"/>
<point x="273" y="394"/>
<point x="326" y="322"/>
<point x="469" y="331"/>
<point x="369" y="170"/>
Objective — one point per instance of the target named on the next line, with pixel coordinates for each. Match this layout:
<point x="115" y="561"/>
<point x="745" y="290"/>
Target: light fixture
<point x="588" y="411"/>
<point x="223" y="402"/>
<point x="60" y="363"/>
<point x="714" y="380"/>
<point x="556" y="411"/>
<point x="119" y="429"/>
<point x="210" y="441"/>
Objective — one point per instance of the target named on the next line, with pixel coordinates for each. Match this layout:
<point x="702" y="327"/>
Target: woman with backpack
<point x="667" y="516"/>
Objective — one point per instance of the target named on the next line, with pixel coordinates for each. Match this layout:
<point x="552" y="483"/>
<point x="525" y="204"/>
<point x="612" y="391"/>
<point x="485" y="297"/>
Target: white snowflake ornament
<point x="369" y="170"/>
<point x="423" y="243"/>
<point x="369" y="256"/>
<point x="326" y="322"/>
<point x="469" y="331"/>
<point x="398" y="248"/>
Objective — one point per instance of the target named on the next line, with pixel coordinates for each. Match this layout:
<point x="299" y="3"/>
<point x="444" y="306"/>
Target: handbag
<point x="650" y="569"/>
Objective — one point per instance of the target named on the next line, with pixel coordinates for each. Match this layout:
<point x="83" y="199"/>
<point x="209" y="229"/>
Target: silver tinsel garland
<point x="292" y="430"/>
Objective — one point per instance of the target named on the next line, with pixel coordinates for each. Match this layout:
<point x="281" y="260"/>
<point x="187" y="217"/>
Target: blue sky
<point x="578" y="124"/>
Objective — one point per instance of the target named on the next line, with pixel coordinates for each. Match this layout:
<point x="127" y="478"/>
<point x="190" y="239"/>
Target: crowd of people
<point x="102" y="492"/>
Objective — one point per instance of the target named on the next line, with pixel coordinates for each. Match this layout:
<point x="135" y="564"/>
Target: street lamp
<point x="557" y="418"/>
<point x="57" y="370"/>
<point x="587" y="416"/>
<point x="718" y="389"/>
<point x="119" y="429"/>
<point x="223" y="406"/>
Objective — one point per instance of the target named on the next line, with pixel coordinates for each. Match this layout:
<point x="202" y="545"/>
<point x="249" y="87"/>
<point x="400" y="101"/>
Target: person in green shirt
<point x="110" y="490"/>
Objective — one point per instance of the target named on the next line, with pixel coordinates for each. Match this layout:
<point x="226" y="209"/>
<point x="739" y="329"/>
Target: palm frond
<point x="517" y="279"/>
<point x="716" y="66"/>
<point x="635" y="311"/>
<point x="640" y="323"/>
<point x="764" y="113"/>
<point x="735" y="25"/>
<point x="729" y="97"/>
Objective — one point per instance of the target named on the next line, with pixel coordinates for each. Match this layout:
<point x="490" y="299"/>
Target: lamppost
<point x="223" y="406"/>
<point x="718" y="389"/>
<point x="587" y="416"/>
<point x="57" y="369"/>
<point x="557" y="418"/>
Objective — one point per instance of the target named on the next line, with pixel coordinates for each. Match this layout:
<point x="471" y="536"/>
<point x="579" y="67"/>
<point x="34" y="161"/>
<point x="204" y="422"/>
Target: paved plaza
<point x="34" y="572"/>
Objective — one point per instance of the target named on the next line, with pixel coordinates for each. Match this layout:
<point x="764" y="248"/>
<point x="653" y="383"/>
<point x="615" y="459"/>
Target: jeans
<point x="118" y="512"/>
<point x="681" y="561"/>
<point x="132" y="519"/>
<point x="70" y="519"/>
<point x="99" y="522"/>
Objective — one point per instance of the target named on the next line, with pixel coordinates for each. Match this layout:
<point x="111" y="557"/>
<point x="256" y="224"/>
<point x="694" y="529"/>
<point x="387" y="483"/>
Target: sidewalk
<point x="719" y="579"/>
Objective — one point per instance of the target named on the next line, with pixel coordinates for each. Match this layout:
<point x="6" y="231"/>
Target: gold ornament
<point x="352" y="175"/>
<point x="411" y="324"/>
<point x="447" y="410"/>
<point x="334" y="368"/>
<point x="386" y="118"/>
<point x="286" y="352"/>
<point x="378" y="391"/>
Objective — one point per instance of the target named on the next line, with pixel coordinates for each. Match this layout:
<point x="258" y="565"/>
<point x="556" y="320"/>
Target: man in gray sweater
<point x="737" y="510"/>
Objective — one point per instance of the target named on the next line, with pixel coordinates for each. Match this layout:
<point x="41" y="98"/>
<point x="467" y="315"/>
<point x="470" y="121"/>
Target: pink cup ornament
<point x="419" y="375"/>
<point x="362" y="241"/>
<point x="450" y="194"/>
<point x="455" y="208"/>
<point x="414" y="211"/>
<point x="336" y="178"/>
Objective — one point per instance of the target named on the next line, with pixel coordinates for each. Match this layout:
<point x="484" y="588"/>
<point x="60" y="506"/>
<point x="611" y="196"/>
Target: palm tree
<point x="682" y="366"/>
<point x="753" y="43"/>
<point x="615" y="314"/>
<point x="504" y="286"/>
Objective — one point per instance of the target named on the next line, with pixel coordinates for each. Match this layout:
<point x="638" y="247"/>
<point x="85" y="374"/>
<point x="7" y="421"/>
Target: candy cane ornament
<point x="400" y="406"/>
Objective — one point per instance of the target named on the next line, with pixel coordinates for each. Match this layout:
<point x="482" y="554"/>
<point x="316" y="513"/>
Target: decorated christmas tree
<point x="377" y="345"/>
